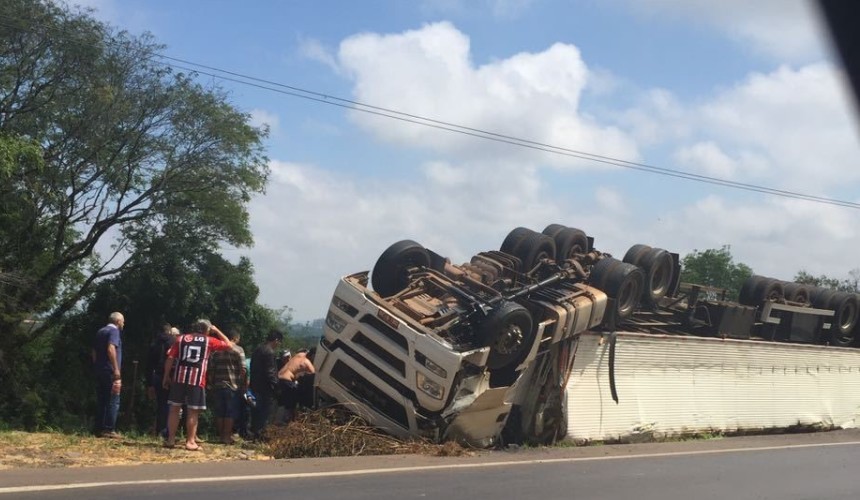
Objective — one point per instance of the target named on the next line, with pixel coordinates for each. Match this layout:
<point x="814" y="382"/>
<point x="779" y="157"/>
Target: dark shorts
<point x="190" y="395"/>
<point x="226" y="403"/>
<point x="288" y="393"/>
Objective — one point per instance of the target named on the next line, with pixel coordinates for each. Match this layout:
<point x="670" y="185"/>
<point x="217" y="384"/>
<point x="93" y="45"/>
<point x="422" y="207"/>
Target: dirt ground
<point x="323" y="433"/>
<point x="48" y="449"/>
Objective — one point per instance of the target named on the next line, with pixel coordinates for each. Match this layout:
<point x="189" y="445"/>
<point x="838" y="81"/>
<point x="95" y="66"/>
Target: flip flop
<point x="193" y="448"/>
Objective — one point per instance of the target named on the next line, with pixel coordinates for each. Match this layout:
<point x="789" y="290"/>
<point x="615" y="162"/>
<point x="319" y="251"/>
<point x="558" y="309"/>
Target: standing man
<point x="154" y="374"/>
<point x="288" y="379"/>
<point x="264" y="380"/>
<point x="185" y="375"/>
<point x="228" y="382"/>
<point x="107" y="361"/>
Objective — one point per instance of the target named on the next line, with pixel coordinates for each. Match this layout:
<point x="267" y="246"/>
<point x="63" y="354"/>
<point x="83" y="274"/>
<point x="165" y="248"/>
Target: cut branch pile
<point x="333" y="432"/>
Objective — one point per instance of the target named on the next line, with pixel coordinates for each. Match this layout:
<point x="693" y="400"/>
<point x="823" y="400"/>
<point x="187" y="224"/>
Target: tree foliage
<point x="850" y="284"/>
<point x="119" y="180"/>
<point x="715" y="267"/>
<point x="126" y="148"/>
<point x="169" y="283"/>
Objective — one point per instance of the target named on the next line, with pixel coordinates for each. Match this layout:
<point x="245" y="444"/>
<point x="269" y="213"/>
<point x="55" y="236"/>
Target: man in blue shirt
<point x="107" y="361"/>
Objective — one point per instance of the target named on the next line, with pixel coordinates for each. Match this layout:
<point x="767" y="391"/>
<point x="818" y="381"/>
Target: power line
<point x="293" y="91"/>
<point x="489" y="135"/>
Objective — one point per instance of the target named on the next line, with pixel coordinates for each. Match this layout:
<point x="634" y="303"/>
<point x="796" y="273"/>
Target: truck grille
<point x="388" y="358"/>
<point x="366" y="392"/>
<point x="386" y="330"/>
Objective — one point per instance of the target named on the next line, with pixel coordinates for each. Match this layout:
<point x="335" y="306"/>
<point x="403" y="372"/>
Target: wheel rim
<point x="510" y="339"/>
<point x="660" y="281"/>
<point x="627" y="297"/>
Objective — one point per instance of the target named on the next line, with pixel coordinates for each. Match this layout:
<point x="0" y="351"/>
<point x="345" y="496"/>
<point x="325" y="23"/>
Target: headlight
<point x="334" y="322"/>
<point x="430" y="365"/>
<point x="429" y="387"/>
<point x="344" y="306"/>
<point x="433" y="367"/>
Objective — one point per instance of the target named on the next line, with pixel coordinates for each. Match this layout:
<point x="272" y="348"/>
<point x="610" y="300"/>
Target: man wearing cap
<point x="264" y="380"/>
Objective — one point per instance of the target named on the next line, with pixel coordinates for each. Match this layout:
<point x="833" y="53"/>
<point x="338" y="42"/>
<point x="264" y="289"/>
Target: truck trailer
<point x="483" y="352"/>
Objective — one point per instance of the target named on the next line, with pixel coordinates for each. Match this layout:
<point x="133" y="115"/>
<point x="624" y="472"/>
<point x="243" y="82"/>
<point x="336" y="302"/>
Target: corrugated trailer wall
<point x="669" y="385"/>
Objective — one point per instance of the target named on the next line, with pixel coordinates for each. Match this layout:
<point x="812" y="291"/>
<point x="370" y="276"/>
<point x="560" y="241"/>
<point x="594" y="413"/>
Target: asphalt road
<point x="822" y="466"/>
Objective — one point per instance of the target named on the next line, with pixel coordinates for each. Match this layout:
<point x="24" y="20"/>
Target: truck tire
<point x="768" y="289"/>
<point x="390" y="272"/>
<point x="508" y="332"/>
<point x="747" y="292"/>
<point x="513" y="239"/>
<point x="553" y="229"/>
<point x="533" y="248"/>
<point x="797" y="292"/>
<point x="846" y="310"/>
<point x="659" y="271"/>
<point x="621" y="281"/>
<point x="821" y="297"/>
<point x="569" y="241"/>
<point x="635" y="254"/>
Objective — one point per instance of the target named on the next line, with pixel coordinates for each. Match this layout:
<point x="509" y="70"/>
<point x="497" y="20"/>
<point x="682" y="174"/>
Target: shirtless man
<point x="296" y="366"/>
<point x="288" y="381"/>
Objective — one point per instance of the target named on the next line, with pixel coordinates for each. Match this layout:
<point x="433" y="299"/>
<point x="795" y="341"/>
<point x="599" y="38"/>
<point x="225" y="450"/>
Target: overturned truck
<point x="481" y="352"/>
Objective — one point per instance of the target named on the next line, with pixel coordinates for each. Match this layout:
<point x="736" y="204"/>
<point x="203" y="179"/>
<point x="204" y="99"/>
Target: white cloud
<point x="792" y="126"/>
<point x="610" y="200"/>
<point x="657" y="117"/>
<point x="775" y="236"/>
<point x="786" y="30"/>
<point x="707" y="157"/>
<point x="261" y="117"/>
<point x="429" y="73"/>
<point x="314" y="50"/>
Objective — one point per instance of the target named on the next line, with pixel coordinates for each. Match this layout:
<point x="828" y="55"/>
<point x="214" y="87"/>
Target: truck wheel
<point x="845" y="308"/>
<point x="797" y="292"/>
<point x="513" y="240"/>
<point x="659" y="271"/>
<point x="390" y="272"/>
<point x="821" y="297"/>
<point x="635" y="254"/>
<point x="569" y="241"/>
<point x="533" y="248"/>
<point x="553" y="229"/>
<point x="766" y="290"/>
<point x="508" y="332"/>
<point x="746" y="295"/>
<point x="621" y="281"/>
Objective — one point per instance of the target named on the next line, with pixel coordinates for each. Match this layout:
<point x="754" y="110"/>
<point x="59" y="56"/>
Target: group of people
<point x="181" y="366"/>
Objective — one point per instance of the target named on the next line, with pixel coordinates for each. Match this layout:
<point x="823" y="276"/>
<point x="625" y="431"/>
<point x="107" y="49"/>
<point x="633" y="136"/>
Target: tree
<point x="850" y="284"/>
<point x="715" y="268"/>
<point x="127" y="148"/>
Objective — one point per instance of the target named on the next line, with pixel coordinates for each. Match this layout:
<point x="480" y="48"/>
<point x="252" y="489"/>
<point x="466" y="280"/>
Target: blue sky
<point x="742" y="92"/>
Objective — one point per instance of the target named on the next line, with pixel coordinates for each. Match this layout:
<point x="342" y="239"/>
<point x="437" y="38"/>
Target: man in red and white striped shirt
<point x="185" y="375"/>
